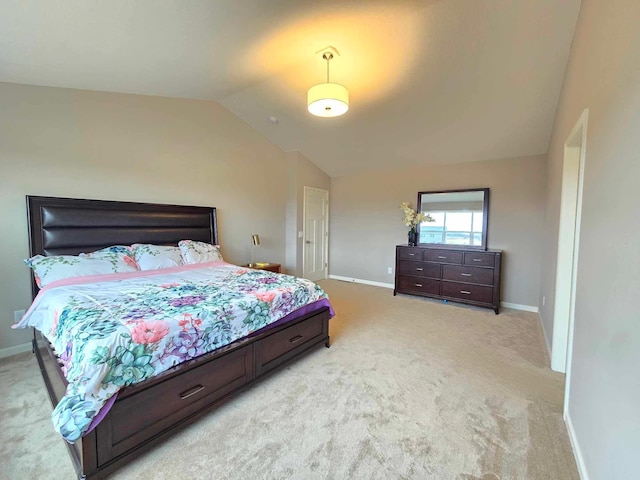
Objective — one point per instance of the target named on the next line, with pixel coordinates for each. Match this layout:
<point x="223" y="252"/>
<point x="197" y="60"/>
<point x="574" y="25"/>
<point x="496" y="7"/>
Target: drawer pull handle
<point x="411" y="254"/>
<point x="465" y="274"/>
<point x="192" y="391"/>
<point x="418" y="284"/>
<point x="419" y="269"/>
<point x="477" y="259"/>
<point x="296" y="339"/>
<point x="465" y="292"/>
<point x="440" y="256"/>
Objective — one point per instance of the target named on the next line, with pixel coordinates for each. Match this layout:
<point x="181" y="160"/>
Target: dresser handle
<point x="440" y="256"/>
<point x="411" y="254"/>
<point x="465" y="292"/>
<point x="465" y="274"/>
<point x="192" y="391"/>
<point x="296" y="339"/>
<point x="419" y="269"/>
<point x="477" y="259"/>
<point x="418" y="284"/>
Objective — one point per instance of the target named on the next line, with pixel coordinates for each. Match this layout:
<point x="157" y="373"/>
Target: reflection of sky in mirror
<point x="477" y="221"/>
<point x="438" y="220"/>
<point x="459" y="221"/>
<point x="456" y="221"/>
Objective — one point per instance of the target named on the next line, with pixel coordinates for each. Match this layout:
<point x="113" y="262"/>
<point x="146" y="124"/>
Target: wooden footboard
<point x="136" y="423"/>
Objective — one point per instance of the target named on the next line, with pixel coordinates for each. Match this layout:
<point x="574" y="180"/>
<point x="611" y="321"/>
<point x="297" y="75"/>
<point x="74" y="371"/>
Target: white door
<point x="316" y="233"/>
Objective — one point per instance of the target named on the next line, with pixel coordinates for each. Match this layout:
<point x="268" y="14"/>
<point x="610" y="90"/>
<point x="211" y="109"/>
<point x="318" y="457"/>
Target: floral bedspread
<point x="116" y="332"/>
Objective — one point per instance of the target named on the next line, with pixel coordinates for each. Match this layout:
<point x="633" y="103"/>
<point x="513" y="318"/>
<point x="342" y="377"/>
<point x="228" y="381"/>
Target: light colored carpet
<point x="410" y="389"/>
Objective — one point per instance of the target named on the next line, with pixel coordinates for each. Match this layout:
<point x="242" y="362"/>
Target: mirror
<point x="459" y="218"/>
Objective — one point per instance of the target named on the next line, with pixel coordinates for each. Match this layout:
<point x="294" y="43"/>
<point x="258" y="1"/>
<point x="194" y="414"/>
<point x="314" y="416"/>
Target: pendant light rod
<point x="327" y="56"/>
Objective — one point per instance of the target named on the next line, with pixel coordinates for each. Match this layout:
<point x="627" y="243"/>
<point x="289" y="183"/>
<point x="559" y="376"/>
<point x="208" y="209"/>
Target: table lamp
<point x="255" y="241"/>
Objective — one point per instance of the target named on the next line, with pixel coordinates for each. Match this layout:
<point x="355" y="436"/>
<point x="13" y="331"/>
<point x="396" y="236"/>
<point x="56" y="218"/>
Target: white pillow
<point x="117" y="259"/>
<point x="199" y="252"/>
<point x="155" y="257"/>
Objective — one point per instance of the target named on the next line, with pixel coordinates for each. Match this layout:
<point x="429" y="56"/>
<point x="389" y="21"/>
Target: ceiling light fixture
<point x="328" y="99"/>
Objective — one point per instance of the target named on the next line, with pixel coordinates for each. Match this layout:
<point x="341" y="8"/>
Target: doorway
<point x="568" y="246"/>
<point x="316" y="233"/>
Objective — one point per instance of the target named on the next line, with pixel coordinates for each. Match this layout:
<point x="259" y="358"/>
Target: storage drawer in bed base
<point x="182" y="394"/>
<point x="160" y="406"/>
<point x="285" y="344"/>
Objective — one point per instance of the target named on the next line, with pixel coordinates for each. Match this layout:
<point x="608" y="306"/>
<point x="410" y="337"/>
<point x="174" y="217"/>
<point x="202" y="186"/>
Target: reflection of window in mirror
<point x="453" y="228"/>
<point x="459" y="218"/>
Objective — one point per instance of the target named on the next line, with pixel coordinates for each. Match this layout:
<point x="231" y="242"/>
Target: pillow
<point x="155" y="257"/>
<point x="199" y="252"/>
<point x="117" y="259"/>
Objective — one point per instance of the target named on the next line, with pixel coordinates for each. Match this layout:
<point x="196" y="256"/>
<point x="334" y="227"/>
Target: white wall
<point x="365" y="223"/>
<point x="74" y="143"/>
<point x="603" y="75"/>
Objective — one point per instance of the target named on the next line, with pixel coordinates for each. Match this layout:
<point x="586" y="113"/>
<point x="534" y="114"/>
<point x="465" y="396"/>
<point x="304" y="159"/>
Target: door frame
<point x="304" y="231"/>
<point x="573" y="167"/>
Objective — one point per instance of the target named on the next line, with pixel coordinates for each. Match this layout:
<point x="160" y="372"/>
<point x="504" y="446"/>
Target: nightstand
<point x="271" y="267"/>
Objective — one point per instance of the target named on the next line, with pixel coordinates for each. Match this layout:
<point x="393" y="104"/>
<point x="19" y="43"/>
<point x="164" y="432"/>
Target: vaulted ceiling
<point x="431" y="81"/>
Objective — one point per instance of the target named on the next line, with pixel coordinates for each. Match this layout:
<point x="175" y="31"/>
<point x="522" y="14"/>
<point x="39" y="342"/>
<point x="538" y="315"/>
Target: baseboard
<point x="515" y="306"/>
<point x="518" y="306"/>
<point x="8" y="352"/>
<point x="577" y="453"/>
<point x="364" y="282"/>
<point x="546" y="339"/>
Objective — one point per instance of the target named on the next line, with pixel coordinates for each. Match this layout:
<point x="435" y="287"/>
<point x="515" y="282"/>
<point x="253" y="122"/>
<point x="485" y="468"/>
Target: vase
<point x="412" y="237"/>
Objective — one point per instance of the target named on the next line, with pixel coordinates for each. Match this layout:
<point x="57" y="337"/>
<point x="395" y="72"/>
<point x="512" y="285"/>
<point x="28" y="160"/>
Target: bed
<point x="136" y="420"/>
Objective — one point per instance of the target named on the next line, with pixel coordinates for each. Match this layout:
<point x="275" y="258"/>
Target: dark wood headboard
<point x="69" y="226"/>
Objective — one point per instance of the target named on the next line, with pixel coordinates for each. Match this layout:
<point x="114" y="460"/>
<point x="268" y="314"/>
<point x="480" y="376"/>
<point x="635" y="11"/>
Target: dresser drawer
<point x="163" y="404"/>
<point x="476" y="293"/>
<point x="272" y="348"/>
<point x="419" y="269"/>
<point x="410" y="253"/>
<point x="462" y="273"/>
<point x="409" y="284"/>
<point x="480" y="259"/>
<point x="443" y="256"/>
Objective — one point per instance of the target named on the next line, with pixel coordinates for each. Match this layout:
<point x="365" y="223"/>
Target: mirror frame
<point x="485" y="220"/>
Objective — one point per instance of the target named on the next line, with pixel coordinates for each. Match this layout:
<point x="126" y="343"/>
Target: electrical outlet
<point x="544" y="300"/>
<point x="17" y="315"/>
<point x="389" y="270"/>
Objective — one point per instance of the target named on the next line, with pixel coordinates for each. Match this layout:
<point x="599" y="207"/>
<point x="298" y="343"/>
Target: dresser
<point x="465" y="276"/>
